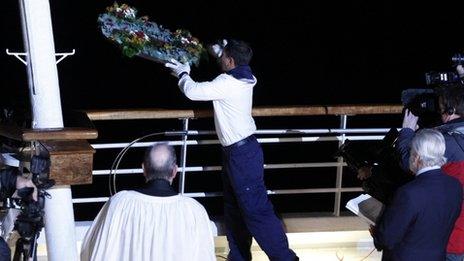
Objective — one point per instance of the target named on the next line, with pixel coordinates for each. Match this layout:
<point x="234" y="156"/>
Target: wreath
<point x="137" y="36"/>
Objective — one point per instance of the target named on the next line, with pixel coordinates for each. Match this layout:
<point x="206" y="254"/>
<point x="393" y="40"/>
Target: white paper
<point x="353" y="206"/>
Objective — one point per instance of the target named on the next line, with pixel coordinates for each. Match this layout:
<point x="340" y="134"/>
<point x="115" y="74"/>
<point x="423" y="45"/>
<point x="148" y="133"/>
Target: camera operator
<point x="11" y="180"/>
<point x="382" y="179"/>
<point x="377" y="166"/>
<point x="451" y="106"/>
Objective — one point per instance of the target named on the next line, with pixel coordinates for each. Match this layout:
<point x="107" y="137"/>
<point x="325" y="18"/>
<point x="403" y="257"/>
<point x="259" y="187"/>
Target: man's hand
<point x="177" y="68"/>
<point x="364" y="173"/>
<point x="460" y="71"/>
<point x="410" y="120"/>
<point x="217" y="49"/>
<point x="26" y="183"/>
<point x="372" y="230"/>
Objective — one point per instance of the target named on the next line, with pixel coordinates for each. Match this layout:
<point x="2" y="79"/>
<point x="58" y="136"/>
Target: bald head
<point x="160" y="162"/>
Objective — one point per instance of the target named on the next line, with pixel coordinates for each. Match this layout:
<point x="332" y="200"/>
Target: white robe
<point x="135" y="226"/>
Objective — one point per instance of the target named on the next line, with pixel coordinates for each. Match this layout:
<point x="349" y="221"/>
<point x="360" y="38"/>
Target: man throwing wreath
<point x="247" y="209"/>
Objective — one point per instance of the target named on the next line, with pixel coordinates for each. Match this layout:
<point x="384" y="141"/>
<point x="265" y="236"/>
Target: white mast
<point x="46" y="112"/>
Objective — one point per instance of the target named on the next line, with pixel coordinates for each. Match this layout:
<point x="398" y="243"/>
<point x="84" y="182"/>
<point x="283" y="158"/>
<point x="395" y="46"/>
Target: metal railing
<point x="297" y="135"/>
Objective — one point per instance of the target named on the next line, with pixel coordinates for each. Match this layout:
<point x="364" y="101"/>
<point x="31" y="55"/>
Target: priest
<point x="153" y="222"/>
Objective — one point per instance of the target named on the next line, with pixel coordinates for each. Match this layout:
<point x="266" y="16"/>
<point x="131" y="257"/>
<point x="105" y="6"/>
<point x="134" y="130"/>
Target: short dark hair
<point x="451" y="96"/>
<point x="159" y="169"/>
<point x="240" y="51"/>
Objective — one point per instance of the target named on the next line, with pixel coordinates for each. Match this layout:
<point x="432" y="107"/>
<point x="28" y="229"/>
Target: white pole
<point x="46" y="113"/>
<point x="41" y="64"/>
<point x="60" y="232"/>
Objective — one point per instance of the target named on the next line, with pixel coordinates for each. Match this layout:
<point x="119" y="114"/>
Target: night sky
<point x="318" y="52"/>
<point x="305" y="53"/>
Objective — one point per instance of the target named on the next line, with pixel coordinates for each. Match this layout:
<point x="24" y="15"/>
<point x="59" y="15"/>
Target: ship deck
<point x="313" y="236"/>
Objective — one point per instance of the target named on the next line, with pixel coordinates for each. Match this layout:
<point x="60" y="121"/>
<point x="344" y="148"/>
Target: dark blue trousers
<point x="5" y="253"/>
<point x="247" y="209"/>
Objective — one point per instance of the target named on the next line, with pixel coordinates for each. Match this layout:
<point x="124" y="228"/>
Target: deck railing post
<point x="183" y="157"/>
<point x="339" y="178"/>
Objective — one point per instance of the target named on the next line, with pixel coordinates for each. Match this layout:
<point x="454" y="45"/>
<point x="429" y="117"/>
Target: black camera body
<point x="420" y="101"/>
<point x="435" y="78"/>
<point x="8" y="181"/>
<point x="423" y="103"/>
<point x="383" y="162"/>
<point x="30" y="220"/>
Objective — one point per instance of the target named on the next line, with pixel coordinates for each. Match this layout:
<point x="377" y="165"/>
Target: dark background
<point x="305" y="53"/>
<point x="317" y="52"/>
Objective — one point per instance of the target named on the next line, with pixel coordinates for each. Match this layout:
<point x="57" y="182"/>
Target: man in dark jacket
<point x="419" y="221"/>
<point x="451" y="103"/>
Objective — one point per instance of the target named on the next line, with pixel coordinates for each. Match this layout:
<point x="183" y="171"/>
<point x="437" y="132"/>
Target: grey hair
<point x="429" y="145"/>
<point x="160" y="161"/>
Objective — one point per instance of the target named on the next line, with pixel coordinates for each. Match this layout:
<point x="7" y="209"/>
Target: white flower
<point x="118" y="9"/>
<point x="184" y="40"/>
<point x="129" y="13"/>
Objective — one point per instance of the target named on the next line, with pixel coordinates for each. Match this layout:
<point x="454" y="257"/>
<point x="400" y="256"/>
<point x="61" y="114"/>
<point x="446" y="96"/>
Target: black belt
<point x="241" y="142"/>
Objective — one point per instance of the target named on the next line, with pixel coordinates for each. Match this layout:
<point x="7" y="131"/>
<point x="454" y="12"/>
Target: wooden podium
<point x="71" y="161"/>
<point x="71" y="156"/>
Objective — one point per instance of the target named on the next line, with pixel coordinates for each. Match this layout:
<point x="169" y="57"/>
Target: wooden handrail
<point x="138" y="114"/>
<point x="363" y="109"/>
<point x="19" y="134"/>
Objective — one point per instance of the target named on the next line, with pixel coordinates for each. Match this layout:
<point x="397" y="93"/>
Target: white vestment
<point x="135" y="226"/>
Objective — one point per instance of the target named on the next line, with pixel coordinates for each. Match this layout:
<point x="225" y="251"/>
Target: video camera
<point x="423" y="103"/>
<point x="30" y="220"/>
<point x="420" y="101"/>
<point x="435" y="78"/>
<point x="383" y="162"/>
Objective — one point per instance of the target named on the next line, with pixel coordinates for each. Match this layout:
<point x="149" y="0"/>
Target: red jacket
<point x="456" y="241"/>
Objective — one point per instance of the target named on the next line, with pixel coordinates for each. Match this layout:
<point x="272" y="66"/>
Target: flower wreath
<point x="138" y="36"/>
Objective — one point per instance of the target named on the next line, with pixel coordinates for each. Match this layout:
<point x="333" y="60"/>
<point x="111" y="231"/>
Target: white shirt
<point x="138" y="227"/>
<point x="232" y="101"/>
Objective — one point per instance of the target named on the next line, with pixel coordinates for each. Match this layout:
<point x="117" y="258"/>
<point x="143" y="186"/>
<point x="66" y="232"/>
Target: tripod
<point x="29" y="224"/>
<point x="26" y="249"/>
